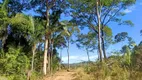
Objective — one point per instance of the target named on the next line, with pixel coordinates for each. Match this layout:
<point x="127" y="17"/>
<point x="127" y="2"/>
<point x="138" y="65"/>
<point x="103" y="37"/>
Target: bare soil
<point x="62" y="75"/>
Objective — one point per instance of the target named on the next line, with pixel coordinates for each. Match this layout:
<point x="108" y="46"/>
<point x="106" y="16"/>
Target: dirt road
<point x="62" y="75"/>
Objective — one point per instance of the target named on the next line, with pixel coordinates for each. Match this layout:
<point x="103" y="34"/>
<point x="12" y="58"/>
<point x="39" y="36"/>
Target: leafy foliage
<point x="121" y="36"/>
<point x="22" y="37"/>
<point x="14" y="62"/>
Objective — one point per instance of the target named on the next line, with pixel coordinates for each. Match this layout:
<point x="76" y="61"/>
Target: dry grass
<point x="82" y="75"/>
<point x="113" y="72"/>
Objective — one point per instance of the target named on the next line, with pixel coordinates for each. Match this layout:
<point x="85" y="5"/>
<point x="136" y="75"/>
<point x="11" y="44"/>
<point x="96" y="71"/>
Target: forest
<point x="33" y="34"/>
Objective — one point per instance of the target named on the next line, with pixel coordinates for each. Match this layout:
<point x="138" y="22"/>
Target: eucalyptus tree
<point x="127" y="49"/>
<point x="56" y="29"/>
<point x="96" y="14"/>
<point x="36" y="35"/>
<point x="44" y="9"/>
<point x="87" y="42"/>
<point x="60" y="43"/>
<point x="69" y="30"/>
<point x="121" y="37"/>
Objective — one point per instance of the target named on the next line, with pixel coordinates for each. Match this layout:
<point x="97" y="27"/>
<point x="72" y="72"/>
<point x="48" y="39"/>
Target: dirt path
<point x="62" y="75"/>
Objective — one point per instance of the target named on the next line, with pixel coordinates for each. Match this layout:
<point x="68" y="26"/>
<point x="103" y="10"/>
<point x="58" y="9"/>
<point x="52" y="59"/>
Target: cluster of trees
<point x="30" y="42"/>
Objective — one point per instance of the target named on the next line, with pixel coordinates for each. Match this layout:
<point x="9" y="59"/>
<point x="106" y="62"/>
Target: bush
<point x="3" y="78"/>
<point x="14" y="64"/>
<point x="105" y="71"/>
<point x="36" y="76"/>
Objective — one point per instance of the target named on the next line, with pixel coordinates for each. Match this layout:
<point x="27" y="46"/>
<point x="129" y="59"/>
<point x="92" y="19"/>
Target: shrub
<point x="14" y="64"/>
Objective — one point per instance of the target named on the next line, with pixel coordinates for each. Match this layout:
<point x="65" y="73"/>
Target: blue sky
<point x="134" y="13"/>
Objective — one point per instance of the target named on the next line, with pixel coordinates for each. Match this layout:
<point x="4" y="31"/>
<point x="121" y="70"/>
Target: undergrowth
<point x="108" y="71"/>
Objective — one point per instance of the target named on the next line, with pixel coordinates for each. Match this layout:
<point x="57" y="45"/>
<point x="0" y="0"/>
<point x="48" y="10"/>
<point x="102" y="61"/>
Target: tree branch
<point x="51" y="4"/>
<point x="92" y="26"/>
<point x="113" y="16"/>
<point x="108" y="11"/>
<point x="95" y="20"/>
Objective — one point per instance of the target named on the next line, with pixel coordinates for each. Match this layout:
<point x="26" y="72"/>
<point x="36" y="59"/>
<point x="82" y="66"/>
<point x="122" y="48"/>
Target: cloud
<point x="71" y="58"/>
<point x="141" y="3"/>
<point x="129" y="10"/>
<point x="75" y="59"/>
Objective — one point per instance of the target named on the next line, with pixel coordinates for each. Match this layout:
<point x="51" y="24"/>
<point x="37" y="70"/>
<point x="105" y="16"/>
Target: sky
<point x="134" y="13"/>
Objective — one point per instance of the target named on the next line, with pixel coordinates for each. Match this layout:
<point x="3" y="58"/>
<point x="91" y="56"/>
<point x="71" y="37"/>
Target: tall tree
<point x="97" y="14"/>
<point x="87" y="42"/>
<point x="27" y="26"/>
<point x="69" y="30"/>
<point x="45" y="9"/>
<point x="36" y="36"/>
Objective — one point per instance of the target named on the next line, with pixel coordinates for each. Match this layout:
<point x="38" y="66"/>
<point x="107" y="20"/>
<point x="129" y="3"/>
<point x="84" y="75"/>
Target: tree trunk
<point x="33" y="51"/>
<point x="99" y="31"/>
<point x="68" y="56"/>
<point x="103" y="45"/>
<point x="88" y="55"/>
<point x="45" y="57"/>
<point x="88" y="58"/>
<point x="46" y="41"/>
<point x="60" y="67"/>
<point x="49" y="57"/>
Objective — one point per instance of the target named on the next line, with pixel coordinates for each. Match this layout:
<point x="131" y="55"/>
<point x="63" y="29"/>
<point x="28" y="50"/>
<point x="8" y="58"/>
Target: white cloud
<point x="129" y="10"/>
<point x="75" y="59"/>
<point x="71" y="58"/>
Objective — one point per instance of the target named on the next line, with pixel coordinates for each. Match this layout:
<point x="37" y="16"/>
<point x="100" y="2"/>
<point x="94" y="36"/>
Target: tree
<point x="106" y="39"/>
<point x="8" y="10"/>
<point x="87" y="42"/>
<point x="137" y="57"/>
<point x="127" y="54"/>
<point x="3" y="22"/>
<point x="121" y="37"/>
<point x="44" y="5"/>
<point x="126" y="49"/>
<point x="36" y="36"/>
<point x="69" y="29"/>
<point x="59" y="43"/>
<point x="45" y="10"/>
<point x="97" y="14"/>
